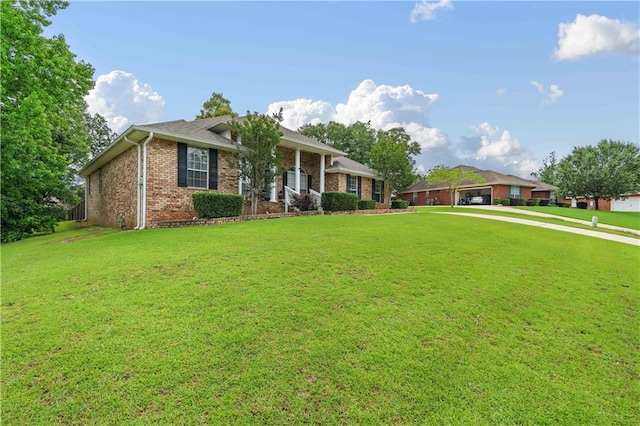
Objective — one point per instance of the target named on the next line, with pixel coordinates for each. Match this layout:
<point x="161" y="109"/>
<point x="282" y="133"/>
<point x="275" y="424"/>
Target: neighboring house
<point x="630" y="204"/>
<point x="150" y="172"/>
<point x="495" y="185"/>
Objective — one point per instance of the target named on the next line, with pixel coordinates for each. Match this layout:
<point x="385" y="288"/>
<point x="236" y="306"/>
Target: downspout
<point x="144" y="181"/>
<point x="139" y="179"/>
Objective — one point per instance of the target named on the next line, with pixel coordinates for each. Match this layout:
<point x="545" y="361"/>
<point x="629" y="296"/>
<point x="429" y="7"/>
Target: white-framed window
<point x="352" y="184"/>
<point x="304" y="180"/>
<point x="514" y="192"/>
<point x="197" y="167"/>
<point x="415" y="197"/>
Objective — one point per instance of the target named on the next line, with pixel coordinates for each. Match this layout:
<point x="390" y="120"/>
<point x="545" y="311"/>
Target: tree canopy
<point x="215" y="106"/>
<point x="548" y="172"/>
<point x="388" y="152"/>
<point x="606" y="171"/>
<point x="391" y="156"/>
<point x="452" y="177"/>
<point x="100" y="132"/>
<point x="43" y="118"/>
<point x="261" y="161"/>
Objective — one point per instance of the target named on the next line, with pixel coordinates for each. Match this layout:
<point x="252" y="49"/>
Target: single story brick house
<point x="495" y="185"/>
<point x="149" y="173"/>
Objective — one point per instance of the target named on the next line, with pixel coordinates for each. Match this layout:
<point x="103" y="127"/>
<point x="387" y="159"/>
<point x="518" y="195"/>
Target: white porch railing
<point x="288" y="197"/>
<point x="290" y="192"/>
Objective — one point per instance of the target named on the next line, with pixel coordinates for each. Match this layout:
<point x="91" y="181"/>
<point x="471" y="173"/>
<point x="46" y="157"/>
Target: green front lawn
<point x="392" y="319"/>
<point x="624" y="219"/>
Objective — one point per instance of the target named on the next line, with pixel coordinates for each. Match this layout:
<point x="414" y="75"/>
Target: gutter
<point x="141" y="204"/>
<point x="139" y="178"/>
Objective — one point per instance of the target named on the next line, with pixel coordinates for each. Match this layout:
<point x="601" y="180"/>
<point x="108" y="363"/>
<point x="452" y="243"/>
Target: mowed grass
<point x="395" y="319"/>
<point x="624" y="219"/>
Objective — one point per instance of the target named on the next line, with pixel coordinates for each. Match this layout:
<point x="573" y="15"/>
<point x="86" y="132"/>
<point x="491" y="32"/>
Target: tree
<point x="100" y="132"/>
<point x="391" y="156"/>
<point x="355" y="140"/>
<point x="216" y="106"/>
<point x="257" y="157"/>
<point x="549" y="170"/>
<point x="453" y="178"/>
<point x="42" y="119"/>
<point x="606" y="171"/>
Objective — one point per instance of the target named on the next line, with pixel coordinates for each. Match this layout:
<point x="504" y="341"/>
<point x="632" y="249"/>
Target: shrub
<point x="496" y="201"/>
<point x="531" y="202"/>
<point x="536" y="200"/>
<point x="522" y="202"/>
<point x="566" y="205"/>
<point x="399" y="204"/>
<point x="214" y="204"/>
<point x="505" y="202"/>
<point x="366" y="204"/>
<point x="544" y="203"/>
<point x="339" y="201"/>
<point x="304" y="202"/>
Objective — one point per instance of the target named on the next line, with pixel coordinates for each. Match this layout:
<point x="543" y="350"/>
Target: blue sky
<point x="474" y="82"/>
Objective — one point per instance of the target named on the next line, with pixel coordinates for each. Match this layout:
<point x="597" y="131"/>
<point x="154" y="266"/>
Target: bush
<point x="366" y="204"/>
<point x="566" y="205"/>
<point x="399" y="204"/>
<point x="544" y="203"/>
<point x="531" y="202"/>
<point x="214" y="204"/>
<point x="522" y="202"/>
<point x="339" y="201"/>
<point x="536" y="201"/>
<point x="304" y="202"/>
<point x="505" y="202"/>
<point x="496" y="201"/>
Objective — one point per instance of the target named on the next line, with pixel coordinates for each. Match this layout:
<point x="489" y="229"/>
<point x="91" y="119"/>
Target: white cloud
<point x="496" y="143"/>
<point x="552" y="93"/>
<point x="383" y="106"/>
<point x="425" y="11"/>
<point x="589" y="35"/>
<point x="123" y="100"/>
<point x="501" y="91"/>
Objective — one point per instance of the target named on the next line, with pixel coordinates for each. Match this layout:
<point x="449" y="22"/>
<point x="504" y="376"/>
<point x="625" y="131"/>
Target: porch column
<point x="297" y="171"/>
<point x="239" y="184"/>
<point x="273" y="197"/>
<point x="321" y="173"/>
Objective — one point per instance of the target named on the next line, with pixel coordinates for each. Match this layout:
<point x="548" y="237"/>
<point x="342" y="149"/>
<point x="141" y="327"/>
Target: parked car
<point x="477" y="200"/>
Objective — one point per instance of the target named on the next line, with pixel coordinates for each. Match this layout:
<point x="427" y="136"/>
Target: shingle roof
<point x="490" y="178"/>
<point x="287" y="134"/>
<point x="347" y="165"/>
<point x="187" y="130"/>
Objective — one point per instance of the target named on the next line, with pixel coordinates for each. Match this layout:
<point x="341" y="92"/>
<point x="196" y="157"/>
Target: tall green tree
<point x="548" y="172"/>
<point x="100" y="133"/>
<point x="42" y="91"/>
<point x="391" y="156"/>
<point x="215" y="106"/>
<point x="257" y="157"/>
<point x="355" y="140"/>
<point x="606" y="171"/>
<point x="453" y="178"/>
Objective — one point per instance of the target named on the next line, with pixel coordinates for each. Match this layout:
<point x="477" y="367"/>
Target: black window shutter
<point x="359" y="186"/>
<point x="382" y="192"/>
<point x="213" y="168"/>
<point x="348" y="183"/>
<point x="182" y="164"/>
<point x="284" y="180"/>
<point x="309" y="181"/>
<point x="373" y="190"/>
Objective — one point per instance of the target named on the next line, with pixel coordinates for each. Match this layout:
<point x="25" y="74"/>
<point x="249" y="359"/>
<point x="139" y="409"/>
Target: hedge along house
<point x="150" y="172"/>
<point x="495" y="185"/>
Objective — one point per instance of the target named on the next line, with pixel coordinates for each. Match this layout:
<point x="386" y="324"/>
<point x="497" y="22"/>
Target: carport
<point x="464" y="195"/>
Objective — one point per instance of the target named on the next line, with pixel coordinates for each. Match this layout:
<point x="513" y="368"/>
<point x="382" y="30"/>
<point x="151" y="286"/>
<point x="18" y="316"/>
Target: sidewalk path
<point x="596" y="234"/>
<point x="551" y="216"/>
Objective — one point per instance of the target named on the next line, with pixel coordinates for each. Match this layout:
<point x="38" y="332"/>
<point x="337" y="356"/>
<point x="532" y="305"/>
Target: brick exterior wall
<point x="112" y="191"/>
<point x="165" y="199"/>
